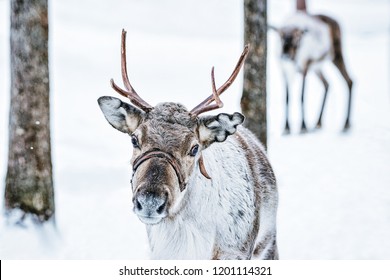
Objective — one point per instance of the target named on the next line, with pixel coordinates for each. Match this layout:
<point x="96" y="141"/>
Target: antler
<point x="205" y="105"/>
<point x="130" y="92"/>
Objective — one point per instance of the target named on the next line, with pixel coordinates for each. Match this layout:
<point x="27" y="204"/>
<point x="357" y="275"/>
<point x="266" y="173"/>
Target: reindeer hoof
<point x="303" y="128"/>
<point x="286" y="131"/>
<point x="347" y="126"/>
<point x="319" y="125"/>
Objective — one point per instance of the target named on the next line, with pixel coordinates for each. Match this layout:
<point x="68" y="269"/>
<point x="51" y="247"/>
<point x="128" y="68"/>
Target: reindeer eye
<point x="194" y="150"/>
<point x="134" y="141"/>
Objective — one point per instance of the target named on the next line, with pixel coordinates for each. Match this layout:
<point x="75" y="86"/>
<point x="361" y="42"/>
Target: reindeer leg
<point x="303" y="125"/>
<point x="287" y="126"/>
<point x="326" y="86"/>
<point x="339" y="62"/>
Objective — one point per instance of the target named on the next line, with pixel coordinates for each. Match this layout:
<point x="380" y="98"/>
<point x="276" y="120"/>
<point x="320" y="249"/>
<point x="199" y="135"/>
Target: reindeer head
<point x="290" y="39"/>
<point x="168" y="141"/>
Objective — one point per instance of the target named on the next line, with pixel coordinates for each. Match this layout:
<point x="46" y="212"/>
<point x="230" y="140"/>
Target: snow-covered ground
<point x="334" y="187"/>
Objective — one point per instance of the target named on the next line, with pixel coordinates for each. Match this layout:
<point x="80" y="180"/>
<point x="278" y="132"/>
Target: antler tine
<point x="215" y="96"/>
<point x="200" y="108"/>
<point x="125" y="77"/>
<point x="130" y="92"/>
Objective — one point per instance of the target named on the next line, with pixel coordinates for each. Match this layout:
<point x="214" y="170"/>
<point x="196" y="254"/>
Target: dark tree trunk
<point x="301" y="5"/>
<point x="29" y="183"/>
<point x="254" y="97"/>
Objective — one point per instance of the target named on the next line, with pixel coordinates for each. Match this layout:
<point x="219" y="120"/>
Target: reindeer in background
<point x="308" y="41"/>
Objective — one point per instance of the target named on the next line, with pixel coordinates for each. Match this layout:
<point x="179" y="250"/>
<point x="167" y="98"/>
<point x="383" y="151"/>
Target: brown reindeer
<point x="307" y="41"/>
<point x="202" y="185"/>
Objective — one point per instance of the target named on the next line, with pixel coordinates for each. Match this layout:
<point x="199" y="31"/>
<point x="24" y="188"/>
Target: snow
<point x="334" y="187"/>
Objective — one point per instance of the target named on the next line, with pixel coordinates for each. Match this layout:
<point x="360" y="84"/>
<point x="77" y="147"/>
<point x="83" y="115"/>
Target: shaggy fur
<point x="230" y="216"/>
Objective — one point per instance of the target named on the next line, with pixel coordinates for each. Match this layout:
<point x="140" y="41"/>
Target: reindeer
<point x="307" y="42"/>
<point x="202" y="185"/>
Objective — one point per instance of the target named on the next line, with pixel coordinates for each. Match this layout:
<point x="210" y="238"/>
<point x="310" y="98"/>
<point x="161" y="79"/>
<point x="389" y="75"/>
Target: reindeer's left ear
<point x="217" y="128"/>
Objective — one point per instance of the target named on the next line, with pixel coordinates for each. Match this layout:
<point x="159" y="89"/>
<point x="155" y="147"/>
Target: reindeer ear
<point x="217" y="128"/>
<point x="120" y="115"/>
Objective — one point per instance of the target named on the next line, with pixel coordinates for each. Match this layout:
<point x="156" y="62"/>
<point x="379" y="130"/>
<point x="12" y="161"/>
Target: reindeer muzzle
<point x="168" y="157"/>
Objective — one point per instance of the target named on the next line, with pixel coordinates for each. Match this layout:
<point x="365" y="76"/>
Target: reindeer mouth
<point x="151" y="220"/>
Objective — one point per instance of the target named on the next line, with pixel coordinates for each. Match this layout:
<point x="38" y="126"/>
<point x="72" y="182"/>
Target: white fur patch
<point x="217" y="213"/>
<point x="205" y="134"/>
<point x="315" y="42"/>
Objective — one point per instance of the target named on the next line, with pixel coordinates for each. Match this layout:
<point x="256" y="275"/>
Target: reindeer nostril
<point x="138" y="205"/>
<point x="161" y="208"/>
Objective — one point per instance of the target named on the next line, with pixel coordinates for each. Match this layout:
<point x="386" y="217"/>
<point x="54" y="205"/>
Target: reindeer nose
<point x="150" y="204"/>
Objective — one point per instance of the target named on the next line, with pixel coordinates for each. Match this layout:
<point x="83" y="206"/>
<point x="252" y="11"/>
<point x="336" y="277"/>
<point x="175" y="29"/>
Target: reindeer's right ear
<point x="120" y="115"/>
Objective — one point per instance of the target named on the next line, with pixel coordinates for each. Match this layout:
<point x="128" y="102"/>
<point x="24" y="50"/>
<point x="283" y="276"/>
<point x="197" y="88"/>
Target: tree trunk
<point x="301" y="5"/>
<point x="254" y="97"/>
<point x="29" y="182"/>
